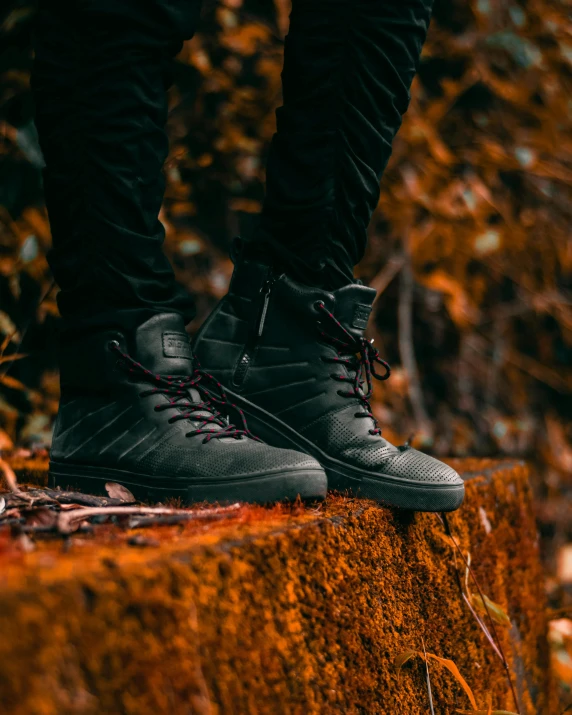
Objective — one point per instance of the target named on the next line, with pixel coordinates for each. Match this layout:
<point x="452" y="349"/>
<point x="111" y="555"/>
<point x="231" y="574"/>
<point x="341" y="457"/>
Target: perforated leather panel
<point x="346" y="438"/>
<point x="414" y="465"/>
<point x="223" y="460"/>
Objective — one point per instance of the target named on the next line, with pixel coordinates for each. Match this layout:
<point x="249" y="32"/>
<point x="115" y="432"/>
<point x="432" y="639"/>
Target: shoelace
<point x="177" y="387"/>
<point x="348" y="350"/>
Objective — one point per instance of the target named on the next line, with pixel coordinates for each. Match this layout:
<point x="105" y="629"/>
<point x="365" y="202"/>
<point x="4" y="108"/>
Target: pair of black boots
<point x="288" y="363"/>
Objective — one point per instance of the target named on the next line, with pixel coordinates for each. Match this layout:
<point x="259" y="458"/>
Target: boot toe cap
<point x="419" y="467"/>
<point x="415" y="466"/>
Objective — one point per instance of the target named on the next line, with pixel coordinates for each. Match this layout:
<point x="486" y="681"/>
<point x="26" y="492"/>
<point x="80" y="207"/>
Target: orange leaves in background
<point x="461" y="309"/>
<point x="472" y="235"/>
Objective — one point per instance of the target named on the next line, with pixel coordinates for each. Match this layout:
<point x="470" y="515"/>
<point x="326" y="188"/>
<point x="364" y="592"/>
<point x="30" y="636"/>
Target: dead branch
<point x="387" y="274"/>
<point x="65" y="497"/>
<point x="406" y="349"/>
<point x="68" y="521"/>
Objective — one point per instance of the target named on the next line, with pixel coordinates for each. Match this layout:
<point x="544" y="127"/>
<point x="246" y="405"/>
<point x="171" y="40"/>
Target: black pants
<point x="99" y="82"/>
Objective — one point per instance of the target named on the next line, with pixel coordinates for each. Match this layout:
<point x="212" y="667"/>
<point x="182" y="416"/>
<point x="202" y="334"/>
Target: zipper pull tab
<point x="265" y="291"/>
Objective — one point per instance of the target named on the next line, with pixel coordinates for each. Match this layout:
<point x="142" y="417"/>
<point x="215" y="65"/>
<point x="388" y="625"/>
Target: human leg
<point x="293" y="322"/>
<point x="348" y="68"/>
<point x="99" y="80"/>
<point x="134" y="409"/>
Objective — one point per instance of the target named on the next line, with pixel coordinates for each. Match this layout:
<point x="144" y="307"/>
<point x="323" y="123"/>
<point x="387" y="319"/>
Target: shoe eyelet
<point x="112" y="345"/>
<point x="340" y="393"/>
<point x="319" y="304"/>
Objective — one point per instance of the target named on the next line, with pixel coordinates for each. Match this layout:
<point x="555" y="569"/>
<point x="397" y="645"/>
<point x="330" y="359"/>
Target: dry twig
<point x="68" y="521"/>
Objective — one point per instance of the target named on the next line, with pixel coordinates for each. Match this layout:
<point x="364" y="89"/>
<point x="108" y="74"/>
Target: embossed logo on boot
<point x="361" y="316"/>
<point x="176" y="345"/>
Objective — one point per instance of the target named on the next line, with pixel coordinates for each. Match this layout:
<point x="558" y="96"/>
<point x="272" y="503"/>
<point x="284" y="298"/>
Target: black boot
<point x="134" y="411"/>
<point x="295" y="359"/>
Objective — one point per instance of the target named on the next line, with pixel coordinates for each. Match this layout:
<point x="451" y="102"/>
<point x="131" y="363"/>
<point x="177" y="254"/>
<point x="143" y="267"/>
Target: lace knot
<point x="349" y="347"/>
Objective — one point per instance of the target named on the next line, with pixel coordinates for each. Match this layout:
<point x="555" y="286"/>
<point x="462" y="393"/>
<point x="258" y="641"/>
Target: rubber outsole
<point x="307" y="484"/>
<point x="384" y="488"/>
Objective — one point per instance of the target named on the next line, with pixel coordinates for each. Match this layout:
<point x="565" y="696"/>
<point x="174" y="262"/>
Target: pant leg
<point x="348" y="68"/>
<point x="99" y="80"/>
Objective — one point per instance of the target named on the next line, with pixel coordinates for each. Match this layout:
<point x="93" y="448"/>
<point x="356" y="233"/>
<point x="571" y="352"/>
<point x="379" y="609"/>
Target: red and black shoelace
<point x="177" y="388"/>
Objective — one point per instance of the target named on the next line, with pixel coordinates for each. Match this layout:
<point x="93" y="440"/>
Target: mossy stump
<point x="280" y="611"/>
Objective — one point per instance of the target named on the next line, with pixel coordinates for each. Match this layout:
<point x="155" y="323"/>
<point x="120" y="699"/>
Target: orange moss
<point x="274" y="611"/>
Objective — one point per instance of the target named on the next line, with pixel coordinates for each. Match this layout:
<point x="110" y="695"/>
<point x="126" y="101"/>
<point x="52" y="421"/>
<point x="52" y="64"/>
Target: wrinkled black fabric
<point x="99" y="80"/>
<point x="348" y="68"/>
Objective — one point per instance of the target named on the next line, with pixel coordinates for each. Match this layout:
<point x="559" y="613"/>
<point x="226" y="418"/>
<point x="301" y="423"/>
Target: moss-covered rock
<point x="279" y="611"/>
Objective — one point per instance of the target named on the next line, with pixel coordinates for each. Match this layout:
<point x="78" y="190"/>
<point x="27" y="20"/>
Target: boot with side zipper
<point x="135" y="410"/>
<point x="295" y="359"/>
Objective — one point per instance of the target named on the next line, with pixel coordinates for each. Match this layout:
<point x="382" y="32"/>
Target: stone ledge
<point x="278" y="611"/>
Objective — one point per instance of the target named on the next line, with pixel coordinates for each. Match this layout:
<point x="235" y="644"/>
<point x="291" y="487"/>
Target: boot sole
<point x="308" y="485"/>
<point x="390" y="490"/>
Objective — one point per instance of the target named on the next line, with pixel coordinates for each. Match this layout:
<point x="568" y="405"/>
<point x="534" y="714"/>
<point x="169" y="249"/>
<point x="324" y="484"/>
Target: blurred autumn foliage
<point x="470" y="248"/>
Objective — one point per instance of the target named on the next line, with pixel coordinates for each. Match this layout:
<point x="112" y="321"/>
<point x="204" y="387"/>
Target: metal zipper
<point x="265" y="290"/>
<point x="246" y="357"/>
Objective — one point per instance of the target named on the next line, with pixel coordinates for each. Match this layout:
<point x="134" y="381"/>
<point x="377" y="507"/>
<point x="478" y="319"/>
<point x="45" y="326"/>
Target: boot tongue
<point x="353" y="307"/>
<point x="162" y="345"/>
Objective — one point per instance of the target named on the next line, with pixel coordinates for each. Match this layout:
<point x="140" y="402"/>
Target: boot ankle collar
<point x="160" y="344"/>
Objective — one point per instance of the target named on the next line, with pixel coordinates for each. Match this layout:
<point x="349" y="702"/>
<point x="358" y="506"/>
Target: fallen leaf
<point x="118" y="491"/>
<point x="483" y="627"/>
<point x="403" y="658"/>
<point x="488" y="607"/>
<point x="452" y="668"/>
